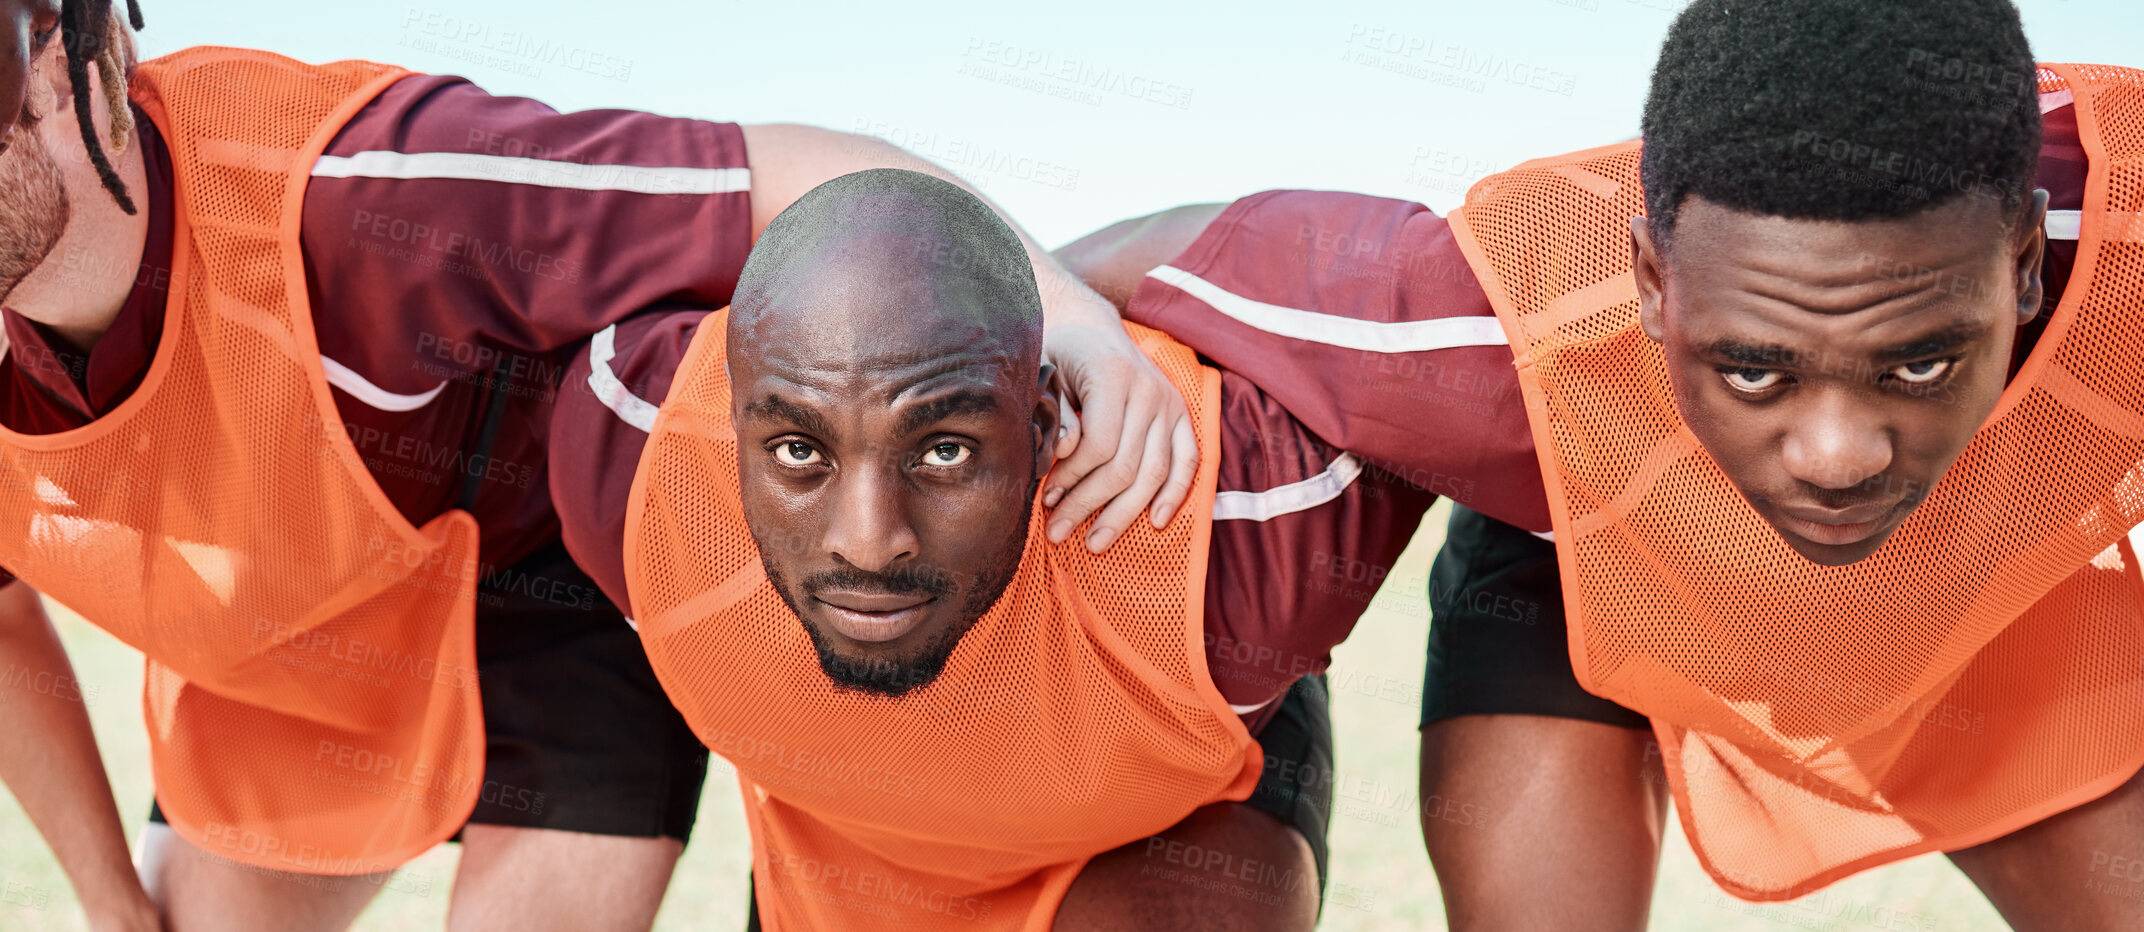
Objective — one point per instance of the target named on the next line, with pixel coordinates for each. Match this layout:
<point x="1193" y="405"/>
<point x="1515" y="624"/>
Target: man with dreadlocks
<point x="1835" y="393"/>
<point x="280" y="342"/>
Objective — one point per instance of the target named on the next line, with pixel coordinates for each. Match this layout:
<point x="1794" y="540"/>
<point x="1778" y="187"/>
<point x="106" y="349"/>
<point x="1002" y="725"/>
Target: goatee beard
<point x="893" y="678"/>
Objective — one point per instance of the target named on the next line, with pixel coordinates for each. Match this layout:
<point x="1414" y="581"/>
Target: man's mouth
<point x="872" y="617"/>
<point x="1836" y="527"/>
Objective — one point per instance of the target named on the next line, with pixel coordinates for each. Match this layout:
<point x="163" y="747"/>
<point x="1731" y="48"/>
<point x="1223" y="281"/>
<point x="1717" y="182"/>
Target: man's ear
<point x="2028" y="258"/>
<point x="1645" y="267"/>
<point x="1050" y="394"/>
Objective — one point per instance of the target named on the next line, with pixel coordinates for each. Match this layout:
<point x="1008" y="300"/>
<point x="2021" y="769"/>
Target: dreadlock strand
<point x="112" y="73"/>
<point x="84" y="41"/>
<point x="134" y="14"/>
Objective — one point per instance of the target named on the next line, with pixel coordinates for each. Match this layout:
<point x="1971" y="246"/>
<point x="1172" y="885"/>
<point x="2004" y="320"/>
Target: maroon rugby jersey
<point x="448" y="234"/>
<point x="1328" y="456"/>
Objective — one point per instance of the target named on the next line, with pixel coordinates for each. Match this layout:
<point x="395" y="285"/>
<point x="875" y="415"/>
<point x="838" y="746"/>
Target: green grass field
<point x="1376" y="843"/>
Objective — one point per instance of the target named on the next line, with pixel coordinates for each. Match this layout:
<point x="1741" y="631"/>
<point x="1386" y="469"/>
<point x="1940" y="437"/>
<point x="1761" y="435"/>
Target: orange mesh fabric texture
<point x="1074" y="717"/>
<point x="1977" y="674"/>
<point x="311" y="688"/>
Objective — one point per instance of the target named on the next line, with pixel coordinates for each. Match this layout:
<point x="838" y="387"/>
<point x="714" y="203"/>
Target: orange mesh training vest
<point x="1074" y="717"/>
<point x="1978" y="673"/>
<point x="311" y="687"/>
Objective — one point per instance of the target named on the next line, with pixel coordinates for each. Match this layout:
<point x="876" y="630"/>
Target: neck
<point x="78" y="290"/>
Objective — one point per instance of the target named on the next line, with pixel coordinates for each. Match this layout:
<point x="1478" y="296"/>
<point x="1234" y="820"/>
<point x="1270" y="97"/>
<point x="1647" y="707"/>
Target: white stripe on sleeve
<point x="629" y="407"/>
<point x="1288" y="499"/>
<point x="549" y="173"/>
<point x="1404" y="336"/>
<point x="2118" y="226"/>
<point x="343" y="377"/>
<point x="2064" y="224"/>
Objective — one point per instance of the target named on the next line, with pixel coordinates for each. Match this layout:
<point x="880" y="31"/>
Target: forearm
<point x="49" y="759"/>
<point x="1359" y="316"/>
<point x="1115" y="259"/>
<point x="788" y="160"/>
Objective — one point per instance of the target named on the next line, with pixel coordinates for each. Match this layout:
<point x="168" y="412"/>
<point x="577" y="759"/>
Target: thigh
<point x="1542" y="805"/>
<point x="1535" y="822"/>
<point x="2082" y="869"/>
<point x="538" y="879"/>
<point x="1253" y="865"/>
<point x="1227" y="867"/>
<point x="201" y="892"/>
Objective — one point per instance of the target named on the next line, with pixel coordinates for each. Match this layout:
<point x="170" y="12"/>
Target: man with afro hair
<point x="1833" y="387"/>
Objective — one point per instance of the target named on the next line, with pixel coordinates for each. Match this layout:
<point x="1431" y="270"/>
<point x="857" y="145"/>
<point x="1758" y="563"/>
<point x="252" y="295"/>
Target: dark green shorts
<point x="1496" y="633"/>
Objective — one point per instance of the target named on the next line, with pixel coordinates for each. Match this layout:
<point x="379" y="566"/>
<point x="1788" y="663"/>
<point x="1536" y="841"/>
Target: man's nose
<point x="1838" y="442"/>
<point x="869" y="527"/>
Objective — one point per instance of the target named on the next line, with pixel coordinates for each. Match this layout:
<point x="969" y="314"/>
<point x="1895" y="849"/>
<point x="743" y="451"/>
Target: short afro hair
<point x="1840" y="109"/>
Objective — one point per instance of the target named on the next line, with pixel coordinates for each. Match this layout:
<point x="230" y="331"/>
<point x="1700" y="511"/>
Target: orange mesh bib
<point x="1978" y="673"/>
<point x="1074" y="717"/>
<point x="311" y="687"/>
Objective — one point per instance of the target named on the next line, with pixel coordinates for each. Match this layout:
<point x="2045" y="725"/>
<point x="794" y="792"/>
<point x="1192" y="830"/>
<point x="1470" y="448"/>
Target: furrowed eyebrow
<point x="778" y="408"/>
<point x="1751" y="354"/>
<point x="1934" y="344"/>
<point x="1771" y="355"/>
<point x="937" y="409"/>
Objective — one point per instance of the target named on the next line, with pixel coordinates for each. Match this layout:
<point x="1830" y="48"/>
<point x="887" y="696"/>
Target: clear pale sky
<point x="1073" y="117"/>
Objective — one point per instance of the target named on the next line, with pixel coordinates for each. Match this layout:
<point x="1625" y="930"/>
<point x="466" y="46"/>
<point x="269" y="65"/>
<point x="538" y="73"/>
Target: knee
<point x="1227" y="866"/>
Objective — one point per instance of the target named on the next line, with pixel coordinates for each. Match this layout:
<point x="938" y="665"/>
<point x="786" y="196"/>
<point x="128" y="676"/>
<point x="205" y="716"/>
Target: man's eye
<point x="38" y="39"/>
<point x="947" y="454"/>
<point x="1923" y="372"/>
<point x="1751" y="380"/>
<point x="797" y="453"/>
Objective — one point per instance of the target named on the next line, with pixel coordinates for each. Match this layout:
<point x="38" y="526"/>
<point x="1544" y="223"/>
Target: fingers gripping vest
<point x="311" y="688"/>
<point x="1074" y="717"/>
<point x="1978" y="673"/>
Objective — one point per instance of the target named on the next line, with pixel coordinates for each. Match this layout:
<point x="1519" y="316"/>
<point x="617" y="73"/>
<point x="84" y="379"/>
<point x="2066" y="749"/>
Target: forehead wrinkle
<point x="890" y="381"/>
<point x="772" y="406"/>
<point x="1885" y="303"/>
<point x="834" y="342"/>
<point x="965" y="400"/>
<point x="1836" y="266"/>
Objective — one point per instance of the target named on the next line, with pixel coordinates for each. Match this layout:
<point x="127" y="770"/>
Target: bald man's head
<point x="884" y="355"/>
<point x="889" y="249"/>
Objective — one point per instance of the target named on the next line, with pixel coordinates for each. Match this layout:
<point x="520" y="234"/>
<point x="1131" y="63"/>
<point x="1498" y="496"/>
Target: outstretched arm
<point x="1356" y="313"/>
<point x="1132" y="440"/>
<point x="1115" y="259"/>
<point x="49" y="760"/>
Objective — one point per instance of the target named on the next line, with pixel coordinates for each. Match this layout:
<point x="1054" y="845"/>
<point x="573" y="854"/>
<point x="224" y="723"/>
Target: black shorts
<point x="1496" y="634"/>
<point x="581" y="736"/>
<point x="1297" y="785"/>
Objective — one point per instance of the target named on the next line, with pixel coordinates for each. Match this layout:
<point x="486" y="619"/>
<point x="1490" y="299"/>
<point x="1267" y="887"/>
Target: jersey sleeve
<point x="465" y="225"/>
<point x="1360" y="317"/>
<point x="605" y="407"/>
<point x="1303" y="535"/>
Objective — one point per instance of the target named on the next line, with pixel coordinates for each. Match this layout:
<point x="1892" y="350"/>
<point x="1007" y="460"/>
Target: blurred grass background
<point x="1380" y="873"/>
